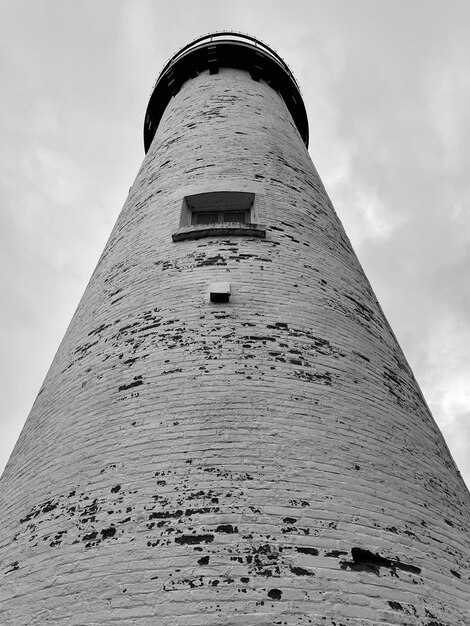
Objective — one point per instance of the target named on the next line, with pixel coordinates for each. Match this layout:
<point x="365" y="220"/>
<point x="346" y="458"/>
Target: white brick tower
<point x="229" y="433"/>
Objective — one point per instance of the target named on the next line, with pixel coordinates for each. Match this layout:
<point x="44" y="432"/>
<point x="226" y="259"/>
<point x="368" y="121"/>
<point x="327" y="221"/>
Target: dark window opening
<point x="219" y="217"/>
<point x="220" y="297"/>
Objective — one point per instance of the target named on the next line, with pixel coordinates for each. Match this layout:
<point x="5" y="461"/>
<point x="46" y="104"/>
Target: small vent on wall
<point x="219" y="292"/>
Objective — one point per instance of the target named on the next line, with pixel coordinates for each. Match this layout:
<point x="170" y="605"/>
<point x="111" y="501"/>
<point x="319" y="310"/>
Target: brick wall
<point x="266" y="461"/>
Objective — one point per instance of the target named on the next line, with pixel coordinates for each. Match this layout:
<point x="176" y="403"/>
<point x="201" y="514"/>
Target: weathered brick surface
<point x="267" y="461"/>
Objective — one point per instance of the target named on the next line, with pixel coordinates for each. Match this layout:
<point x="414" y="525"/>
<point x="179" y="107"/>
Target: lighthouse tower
<point x="229" y="433"/>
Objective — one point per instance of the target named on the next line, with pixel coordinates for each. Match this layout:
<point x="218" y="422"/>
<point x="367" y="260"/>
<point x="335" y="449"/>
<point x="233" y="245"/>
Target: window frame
<point x="219" y="202"/>
<point x="220" y="213"/>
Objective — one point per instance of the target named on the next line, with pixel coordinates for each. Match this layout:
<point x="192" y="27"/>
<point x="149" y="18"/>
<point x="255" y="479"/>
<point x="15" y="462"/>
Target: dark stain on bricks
<point x="100" y="329"/>
<point x="323" y="379"/>
<point x="49" y="506"/>
<point x="335" y="553"/>
<point x="302" y="503"/>
<point x="226" y="528"/>
<point x="265" y="560"/>
<point x="90" y="536"/>
<point x="166" y="514"/>
<point x="275" y="594"/>
<point x="131" y="361"/>
<point x="361" y="356"/>
<point x="362" y="309"/>
<point x="366" y="561"/>
<point x="300" y="571"/>
<point x="201" y="511"/>
<point x="194" y="539"/>
<point x="263" y="339"/>
<point x="149" y="327"/>
<point x="204" y="560"/>
<point x="58" y="538"/>
<point x="82" y="350"/>
<point x="135" y="383"/>
<point x="106" y="533"/>
<point x="395" y="605"/>
<point x="311" y="551"/>
<point x="13" y="567"/>
<point x="41" y="509"/>
<point x="279" y="325"/>
<point x="217" y="259"/>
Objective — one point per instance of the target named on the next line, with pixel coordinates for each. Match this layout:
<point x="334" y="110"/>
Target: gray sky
<point x="386" y="84"/>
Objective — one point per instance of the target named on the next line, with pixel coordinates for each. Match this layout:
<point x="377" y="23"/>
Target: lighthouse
<point x="229" y="433"/>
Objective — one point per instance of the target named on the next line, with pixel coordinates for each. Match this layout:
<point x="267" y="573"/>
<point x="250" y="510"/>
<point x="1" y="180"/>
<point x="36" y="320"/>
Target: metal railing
<point x="227" y="36"/>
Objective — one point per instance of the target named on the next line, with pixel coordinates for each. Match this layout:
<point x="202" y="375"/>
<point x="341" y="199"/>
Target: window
<point x="220" y="207"/>
<point x="215" y="213"/>
<point x="220" y="217"/>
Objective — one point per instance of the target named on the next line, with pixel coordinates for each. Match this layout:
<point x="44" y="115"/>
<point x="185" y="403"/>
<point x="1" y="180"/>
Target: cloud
<point x="446" y="383"/>
<point x="447" y="88"/>
<point x="55" y="176"/>
<point x="367" y="215"/>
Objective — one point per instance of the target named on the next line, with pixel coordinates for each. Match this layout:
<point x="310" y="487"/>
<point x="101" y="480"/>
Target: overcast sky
<point x="386" y="85"/>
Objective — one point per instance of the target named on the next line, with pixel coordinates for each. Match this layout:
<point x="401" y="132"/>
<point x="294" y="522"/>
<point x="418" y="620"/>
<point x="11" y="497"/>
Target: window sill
<point x="217" y="230"/>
